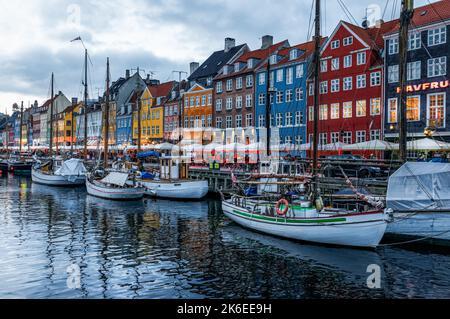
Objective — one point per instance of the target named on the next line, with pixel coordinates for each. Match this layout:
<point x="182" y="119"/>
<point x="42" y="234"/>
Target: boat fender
<point x="284" y="202"/>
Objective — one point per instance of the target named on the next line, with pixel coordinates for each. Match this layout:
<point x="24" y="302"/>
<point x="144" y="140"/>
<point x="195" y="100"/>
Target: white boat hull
<point x="357" y="230"/>
<point x="177" y="190"/>
<point x="57" y="180"/>
<point x="129" y="193"/>
<point x="432" y="225"/>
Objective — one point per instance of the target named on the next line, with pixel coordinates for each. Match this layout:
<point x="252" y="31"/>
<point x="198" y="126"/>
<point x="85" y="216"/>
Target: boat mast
<point x="106" y="141"/>
<point x="85" y="103"/>
<point x="316" y="63"/>
<point x="405" y="20"/>
<point x="20" y="132"/>
<point x="50" y="151"/>
<point x="139" y="106"/>
<point x="268" y="108"/>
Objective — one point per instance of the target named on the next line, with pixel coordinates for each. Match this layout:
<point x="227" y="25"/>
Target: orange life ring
<point x="286" y="207"/>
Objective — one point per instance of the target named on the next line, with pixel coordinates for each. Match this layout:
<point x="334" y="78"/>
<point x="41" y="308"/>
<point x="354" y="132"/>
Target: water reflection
<point x="164" y="249"/>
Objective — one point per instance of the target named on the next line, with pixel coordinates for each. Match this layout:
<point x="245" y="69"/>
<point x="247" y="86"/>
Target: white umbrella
<point x="373" y="145"/>
<point x="427" y="144"/>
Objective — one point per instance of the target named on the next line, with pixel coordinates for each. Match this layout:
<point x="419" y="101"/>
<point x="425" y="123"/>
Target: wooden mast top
<point x="106" y="141"/>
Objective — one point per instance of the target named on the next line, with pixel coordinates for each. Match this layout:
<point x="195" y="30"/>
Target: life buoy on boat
<point x="284" y="202"/>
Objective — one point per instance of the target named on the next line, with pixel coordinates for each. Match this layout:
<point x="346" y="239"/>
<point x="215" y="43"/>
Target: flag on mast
<point x="76" y="39"/>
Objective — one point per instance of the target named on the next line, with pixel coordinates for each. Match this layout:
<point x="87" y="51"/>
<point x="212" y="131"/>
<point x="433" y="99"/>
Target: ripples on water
<point x="164" y="249"/>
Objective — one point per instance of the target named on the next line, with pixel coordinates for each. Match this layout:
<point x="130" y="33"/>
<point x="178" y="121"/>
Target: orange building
<point x="198" y="107"/>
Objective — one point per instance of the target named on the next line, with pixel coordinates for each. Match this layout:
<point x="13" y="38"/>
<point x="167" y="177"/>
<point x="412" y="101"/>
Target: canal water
<point x="164" y="249"/>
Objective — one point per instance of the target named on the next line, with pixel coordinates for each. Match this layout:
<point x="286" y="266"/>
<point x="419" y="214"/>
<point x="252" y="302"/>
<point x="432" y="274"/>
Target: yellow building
<point x="152" y="113"/>
<point x="64" y="134"/>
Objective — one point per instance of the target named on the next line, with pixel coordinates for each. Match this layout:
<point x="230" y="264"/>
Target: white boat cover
<point x="71" y="167"/>
<point x="419" y="185"/>
<point x="116" y="178"/>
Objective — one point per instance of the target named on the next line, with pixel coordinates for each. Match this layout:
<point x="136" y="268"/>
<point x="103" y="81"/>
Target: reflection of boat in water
<point x="192" y="209"/>
<point x="108" y="205"/>
<point x="354" y="261"/>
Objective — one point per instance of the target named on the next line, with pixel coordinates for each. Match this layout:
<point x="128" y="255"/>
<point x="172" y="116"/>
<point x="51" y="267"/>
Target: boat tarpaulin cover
<point x="419" y="185"/>
<point x="116" y="178"/>
<point x="71" y="167"/>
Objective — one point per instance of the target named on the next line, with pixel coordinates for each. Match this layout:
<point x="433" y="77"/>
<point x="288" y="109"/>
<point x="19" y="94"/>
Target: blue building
<point x="427" y="86"/>
<point x="288" y="77"/>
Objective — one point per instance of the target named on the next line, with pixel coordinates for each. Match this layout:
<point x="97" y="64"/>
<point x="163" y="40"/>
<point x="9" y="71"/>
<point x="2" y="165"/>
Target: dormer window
<point x="273" y="59"/>
<point x="293" y="54"/>
<point x="236" y="67"/>
<point x="225" y="69"/>
<point x="250" y="63"/>
<point x="174" y="94"/>
<point x="209" y="81"/>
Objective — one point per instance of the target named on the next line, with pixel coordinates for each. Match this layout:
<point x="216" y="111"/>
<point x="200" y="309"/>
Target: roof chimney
<point x="229" y="44"/>
<point x="127" y="74"/>
<point x="267" y="41"/>
<point x="194" y="66"/>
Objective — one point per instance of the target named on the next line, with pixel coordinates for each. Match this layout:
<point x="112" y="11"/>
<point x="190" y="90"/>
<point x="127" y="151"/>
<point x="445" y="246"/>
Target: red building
<point x="351" y="86"/>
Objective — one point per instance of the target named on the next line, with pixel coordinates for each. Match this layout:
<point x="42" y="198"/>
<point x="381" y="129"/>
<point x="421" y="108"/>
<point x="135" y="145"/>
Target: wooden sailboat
<point x="304" y="218"/>
<point x="58" y="172"/>
<point x="109" y="184"/>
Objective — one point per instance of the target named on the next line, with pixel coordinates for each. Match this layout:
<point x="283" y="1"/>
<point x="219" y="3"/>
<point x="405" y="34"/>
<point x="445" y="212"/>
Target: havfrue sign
<point x="425" y="86"/>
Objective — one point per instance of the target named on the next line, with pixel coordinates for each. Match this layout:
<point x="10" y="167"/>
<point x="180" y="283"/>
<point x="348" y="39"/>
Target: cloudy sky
<point x="159" y="36"/>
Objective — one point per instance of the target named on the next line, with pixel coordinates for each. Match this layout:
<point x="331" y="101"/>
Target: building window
<point x="209" y="121"/>
<point x="192" y="101"/>
<point x="334" y="137"/>
<point x="238" y="83"/>
<point x="209" y="99"/>
<point x="393" y="73"/>
<point x="279" y="120"/>
<point x="348" y="83"/>
<point x="436" y="110"/>
<point x="279" y="97"/>
<point x="299" y="71"/>
<point x="361" y="58"/>
<point x="392" y="116"/>
<point x="238" y="102"/>
<point x="219" y="87"/>
<point x="299" y="94"/>
<point x="203" y="100"/>
<point x="298" y="118"/>
<point x="229" y="122"/>
<point x="375" y="106"/>
<point x="334" y="111"/>
<point x="262" y="99"/>
<point x="229" y="104"/>
<point x="289" y="75"/>
<point x="219" y="105"/>
<point x="347" y="110"/>
<point x="375" y="135"/>
<point x="262" y="78"/>
<point x="323" y="138"/>
<point x="324" y="87"/>
<point x="361" y="81"/>
<point x="437" y="66"/>
<point x="192" y="121"/>
<point x="229" y="85"/>
<point x="248" y="100"/>
<point x="249" y="81"/>
<point x="393" y="46"/>
<point x="335" y="85"/>
<point x="288" y="139"/>
<point x="273" y="59"/>
<point x="311" y="113"/>
<point x="288" y="119"/>
<point x="298" y="140"/>
<point x="293" y="54"/>
<point x="249" y="120"/>
<point x="360" y="136"/>
<point x="335" y="44"/>
<point x="280" y="75"/>
<point x="335" y="64"/>
<point x="414" y="41"/>
<point x="323" y="114"/>
<point x="348" y="41"/>
<point x="413" y="108"/>
<point x="197" y="101"/>
<point x="348" y="61"/>
<point x="271" y="80"/>
<point x="262" y="121"/>
<point x="361" y="108"/>
<point x="288" y="96"/>
<point x="323" y="65"/>
<point x="413" y="70"/>
<point x="375" y="79"/>
<point x="311" y="89"/>
<point x="437" y="36"/>
<point x="238" y="121"/>
<point x="347" y="137"/>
